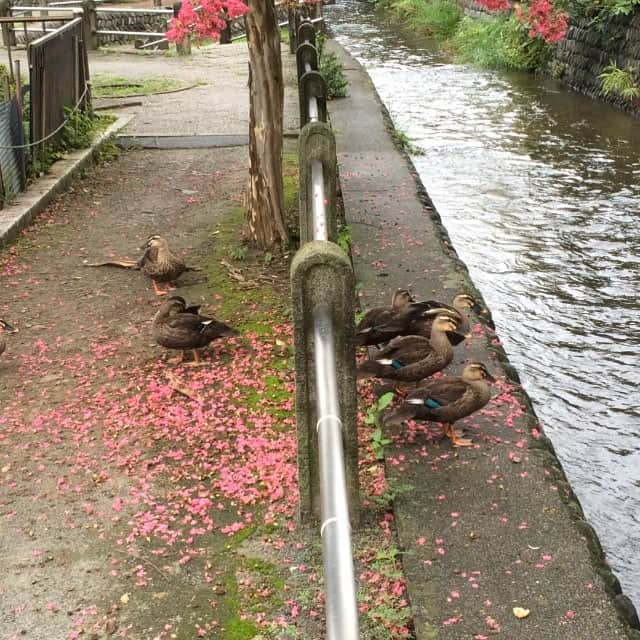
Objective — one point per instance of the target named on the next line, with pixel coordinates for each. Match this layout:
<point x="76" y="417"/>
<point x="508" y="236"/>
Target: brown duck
<point x="380" y="324"/>
<point x="412" y="358"/>
<point x="460" y="308"/>
<point x="160" y="263"/>
<point x="447" y="400"/>
<point x="5" y="327"/>
<point x="176" y="326"/>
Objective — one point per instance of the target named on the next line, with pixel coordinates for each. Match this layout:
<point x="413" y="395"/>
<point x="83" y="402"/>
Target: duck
<point x="178" y="326"/>
<point x="368" y="331"/>
<point x="446" y="400"/>
<point x="5" y="327"/>
<point x="160" y="263"/>
<point x="461" y="307"/>
<point x="412" y="358"/>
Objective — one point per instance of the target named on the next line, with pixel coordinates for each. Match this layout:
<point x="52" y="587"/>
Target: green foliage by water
<point x="437" y="18"/>
<point x="619" y="82"/>
<point x="331" y="69"/>
<point x="499" y="42"/>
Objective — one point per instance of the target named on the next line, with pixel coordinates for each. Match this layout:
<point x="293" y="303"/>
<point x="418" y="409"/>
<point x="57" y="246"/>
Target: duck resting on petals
<point x="5" y="327"/>
<point x="412" y="358"/>
<point x="176" y="326"/>
<point x="447" y="400"/>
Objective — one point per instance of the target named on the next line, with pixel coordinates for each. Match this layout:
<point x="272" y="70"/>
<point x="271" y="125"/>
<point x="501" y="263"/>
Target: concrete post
<point x="8" y="33"/>
<point x="312" y="84"/>
<point x="317" y="143"/>
<point x="307" y="33"/>
<point x="306" y="53"/>
<point x="89" y="24"/>
<point x="183" y="47"/>
<point x="291" y="27"/>
<point x="321" y="273"/>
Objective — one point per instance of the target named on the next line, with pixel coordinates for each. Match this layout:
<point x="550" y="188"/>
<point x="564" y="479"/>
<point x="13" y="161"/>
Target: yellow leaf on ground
<point x="519" y="612"/>
<point x="124" y="598"/>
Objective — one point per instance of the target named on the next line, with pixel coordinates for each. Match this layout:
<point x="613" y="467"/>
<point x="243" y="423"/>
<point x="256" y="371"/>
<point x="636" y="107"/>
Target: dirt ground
<point x="144" y="500"/>
<point x="89" y="425"/>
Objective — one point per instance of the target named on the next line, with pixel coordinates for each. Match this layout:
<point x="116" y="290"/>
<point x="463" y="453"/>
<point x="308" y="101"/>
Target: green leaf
<point x="385" y="400"/>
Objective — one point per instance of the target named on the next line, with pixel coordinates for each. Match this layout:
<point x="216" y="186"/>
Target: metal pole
<point x="341" y="607"/>
<point x="320" y="231"/>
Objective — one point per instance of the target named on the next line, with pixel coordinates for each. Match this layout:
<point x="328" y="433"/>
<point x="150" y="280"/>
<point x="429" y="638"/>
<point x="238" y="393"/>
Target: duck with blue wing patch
<point x="176" y="326"/>
<point x="447" y="400"/>
<point x="412" y="358"/>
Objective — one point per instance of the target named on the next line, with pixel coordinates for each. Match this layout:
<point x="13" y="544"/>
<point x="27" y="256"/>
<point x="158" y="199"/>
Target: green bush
<point x="620" y="82"/>
<point x="438" y="18"/>
<point x="331" y="69"/>
<point x="499" y="43"/>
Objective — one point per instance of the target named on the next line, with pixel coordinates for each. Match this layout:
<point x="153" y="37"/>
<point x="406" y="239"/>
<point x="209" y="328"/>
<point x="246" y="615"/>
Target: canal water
<point x="539" y="188"/>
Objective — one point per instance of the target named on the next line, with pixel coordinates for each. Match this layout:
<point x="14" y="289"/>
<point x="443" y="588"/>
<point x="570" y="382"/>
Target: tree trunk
<point x="266" y="201"/>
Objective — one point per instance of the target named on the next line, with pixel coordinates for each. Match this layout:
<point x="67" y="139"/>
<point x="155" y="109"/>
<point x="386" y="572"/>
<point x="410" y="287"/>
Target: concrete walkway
<point x="490" y="528"/>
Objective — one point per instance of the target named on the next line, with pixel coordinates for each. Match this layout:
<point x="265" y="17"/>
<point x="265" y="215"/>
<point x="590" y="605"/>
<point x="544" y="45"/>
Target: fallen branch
<point x="124" y="264"/>
<point x="232" y="271"/>
<point x="181" y="387"/>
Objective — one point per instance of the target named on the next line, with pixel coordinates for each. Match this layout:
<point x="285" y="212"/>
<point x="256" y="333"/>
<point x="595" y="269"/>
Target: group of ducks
<point x="420" y="337"/>
<point x="176" y="325"/>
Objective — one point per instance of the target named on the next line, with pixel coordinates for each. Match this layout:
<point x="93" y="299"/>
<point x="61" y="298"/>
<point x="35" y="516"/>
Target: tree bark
<point x="266" y="200"/>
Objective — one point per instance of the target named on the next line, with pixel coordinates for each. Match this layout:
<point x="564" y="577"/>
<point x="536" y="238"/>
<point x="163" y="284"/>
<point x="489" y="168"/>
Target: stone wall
<point x="586" y="51"/>
<point x="130" y="21"/>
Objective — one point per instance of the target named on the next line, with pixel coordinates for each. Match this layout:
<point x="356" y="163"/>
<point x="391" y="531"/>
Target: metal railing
<point x="335" y="530"/>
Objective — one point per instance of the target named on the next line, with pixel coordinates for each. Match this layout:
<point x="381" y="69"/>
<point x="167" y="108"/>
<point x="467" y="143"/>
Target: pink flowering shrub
<point x="543" y="20"/>
<point x="205" y="22"/>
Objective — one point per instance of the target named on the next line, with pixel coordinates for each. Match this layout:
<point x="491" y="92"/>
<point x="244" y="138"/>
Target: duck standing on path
<point x="5" y="327"/>
<point x="447" y="400"/>
<point x="176" y="326"/>
<point x="412" y="358"/>
<point x="160" y="263"/>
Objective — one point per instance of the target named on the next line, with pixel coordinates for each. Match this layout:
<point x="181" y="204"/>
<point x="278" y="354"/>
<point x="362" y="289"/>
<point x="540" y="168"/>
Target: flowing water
<point x="539" y="188"/>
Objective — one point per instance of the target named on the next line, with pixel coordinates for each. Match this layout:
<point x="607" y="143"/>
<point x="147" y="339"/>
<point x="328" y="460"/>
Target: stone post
<point x="183" y="47"/>
<point x="306" y="33"/>
<point x="8" y="33"/>
<point x="317" y="144"/>
<point x="306" y="53"/>
<point x="321" y="273"/>
<point x="89" y="24"/>
<point x="291" y="27"/>
<point x="312" y="84"/>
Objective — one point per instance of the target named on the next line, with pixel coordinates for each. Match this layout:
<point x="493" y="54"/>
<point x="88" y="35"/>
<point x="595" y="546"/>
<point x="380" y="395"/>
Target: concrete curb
<point x="28" y="204"/>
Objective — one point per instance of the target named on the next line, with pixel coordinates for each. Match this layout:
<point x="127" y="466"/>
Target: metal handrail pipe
<point x="313" y="109"/>
<point x="64" y="27"/>
<point x="139" y="34"/>
<point x="320" y="230"/>
<point x="116" y="10"/>
<point x="340" y="591"/>
<point x="16" y="10"/>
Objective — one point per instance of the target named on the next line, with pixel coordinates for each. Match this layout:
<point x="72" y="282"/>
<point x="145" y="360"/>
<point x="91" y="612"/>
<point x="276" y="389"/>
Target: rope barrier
<point x="53" y="133"/>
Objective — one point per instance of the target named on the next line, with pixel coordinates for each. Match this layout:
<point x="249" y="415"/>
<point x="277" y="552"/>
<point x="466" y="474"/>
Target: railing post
<point x="90" y="24"/>
<point x="184" y="46"/>
<point x="291" y="26"/>
<point x="317" y="162"/>
<point x="306" y="33"/>
<point x="306" y="54"/>
<point x="312" y="85"/>
<point x="321" y="273"/>
<point x="8" y="33"/>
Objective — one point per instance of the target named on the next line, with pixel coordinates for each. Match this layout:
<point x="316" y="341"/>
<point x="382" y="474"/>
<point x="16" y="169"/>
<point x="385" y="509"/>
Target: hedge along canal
<point x="538" y="187"/>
